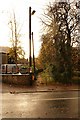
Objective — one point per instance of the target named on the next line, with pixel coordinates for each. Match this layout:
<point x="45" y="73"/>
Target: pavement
<point x="38" y="88"/>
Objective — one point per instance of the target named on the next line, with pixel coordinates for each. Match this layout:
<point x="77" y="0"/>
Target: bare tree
<point x="16" y="50"/>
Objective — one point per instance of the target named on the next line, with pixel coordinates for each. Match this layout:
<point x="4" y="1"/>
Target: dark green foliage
<point x="56" y="50"/>
<point x="59" y="76"/>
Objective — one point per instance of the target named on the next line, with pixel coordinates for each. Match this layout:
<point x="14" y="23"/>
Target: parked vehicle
<point x="24" y="70"/>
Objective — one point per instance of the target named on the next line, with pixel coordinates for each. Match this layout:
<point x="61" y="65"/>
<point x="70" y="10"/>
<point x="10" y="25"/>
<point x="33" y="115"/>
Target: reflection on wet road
<point x="41" y="105"/>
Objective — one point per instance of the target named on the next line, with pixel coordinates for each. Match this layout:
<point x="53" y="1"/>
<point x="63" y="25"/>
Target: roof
<point x="4" y="49"/>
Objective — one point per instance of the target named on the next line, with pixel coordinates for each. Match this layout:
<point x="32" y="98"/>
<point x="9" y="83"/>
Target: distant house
<point x="3" y="55"/>
<point x="4" y="49"/>
<point x="3" y="58"/>
<point x="23" y="61"/>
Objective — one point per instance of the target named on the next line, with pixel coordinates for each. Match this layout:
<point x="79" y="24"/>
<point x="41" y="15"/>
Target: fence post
<point x="6" y="69"/>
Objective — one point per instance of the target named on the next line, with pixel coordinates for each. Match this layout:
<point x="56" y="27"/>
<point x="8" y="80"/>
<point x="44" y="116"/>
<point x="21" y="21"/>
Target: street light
<point x="33" y="57"/>
<point x="30" y="13"/>
<point x="30" y="62"/>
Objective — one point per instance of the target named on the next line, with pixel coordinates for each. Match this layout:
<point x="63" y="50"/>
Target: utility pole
<point x="30" y="13"/>
<point x="33" y="56"/>
<point x="30" y="62"/>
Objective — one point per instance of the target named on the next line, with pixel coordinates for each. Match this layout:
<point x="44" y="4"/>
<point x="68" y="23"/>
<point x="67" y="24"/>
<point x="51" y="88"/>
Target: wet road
<point x="41" y="105"/>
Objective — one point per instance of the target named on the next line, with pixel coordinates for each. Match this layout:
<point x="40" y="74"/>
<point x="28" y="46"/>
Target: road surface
<point x="41" y="105"/>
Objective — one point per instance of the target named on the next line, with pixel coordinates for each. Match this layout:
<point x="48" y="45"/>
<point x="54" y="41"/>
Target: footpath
<point x="39" y="86"/>
<point x="8" y="88"/>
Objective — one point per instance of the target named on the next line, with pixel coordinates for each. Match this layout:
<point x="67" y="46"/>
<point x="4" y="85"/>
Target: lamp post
<point x="33" y="57"/>
<point x="30" y="62"/>
<point x="30" y="13"/>
<point x="29" y="37"/>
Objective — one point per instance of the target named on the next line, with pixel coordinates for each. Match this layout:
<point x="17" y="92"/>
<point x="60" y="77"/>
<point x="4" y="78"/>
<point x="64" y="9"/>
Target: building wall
<point x="16" y="79"/>
<point x="3" y="58"/>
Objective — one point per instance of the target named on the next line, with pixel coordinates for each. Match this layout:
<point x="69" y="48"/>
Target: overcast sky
<point x="21" y="8"/>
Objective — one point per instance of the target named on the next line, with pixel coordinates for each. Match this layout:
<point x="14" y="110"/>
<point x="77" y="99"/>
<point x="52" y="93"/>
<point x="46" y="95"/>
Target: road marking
<point x="73" y="98"/>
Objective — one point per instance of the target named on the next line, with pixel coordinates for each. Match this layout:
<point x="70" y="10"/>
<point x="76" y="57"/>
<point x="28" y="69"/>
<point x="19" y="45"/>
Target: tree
<point x="47" y="52"/>
<point x="76" y="58"/>
<point x="15" y="52"/>
<point x="61" y="23"/>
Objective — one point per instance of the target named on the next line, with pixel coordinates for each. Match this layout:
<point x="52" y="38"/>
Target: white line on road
<point x="73" y="98"/>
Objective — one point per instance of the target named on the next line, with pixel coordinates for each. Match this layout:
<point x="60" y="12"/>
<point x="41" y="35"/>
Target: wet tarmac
<point x="41" y="105"/>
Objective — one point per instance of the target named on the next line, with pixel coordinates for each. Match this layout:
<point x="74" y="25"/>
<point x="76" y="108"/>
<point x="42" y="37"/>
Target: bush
<point x="52" y="74"/>
<point x="62" y="77"/>
<point x="47" y="75"/>
<point x="76" y="73"/>
<point x="76" y="77"/>
<point x="76" y="80"/>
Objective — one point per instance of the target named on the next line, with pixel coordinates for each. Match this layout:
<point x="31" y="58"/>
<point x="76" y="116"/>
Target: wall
<point x="16" y="79"/>
<point x="3" y="58"/>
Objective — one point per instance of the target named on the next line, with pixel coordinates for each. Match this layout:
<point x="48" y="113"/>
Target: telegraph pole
<point x="33" y="55"/>
<point x="30" y="62"/>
